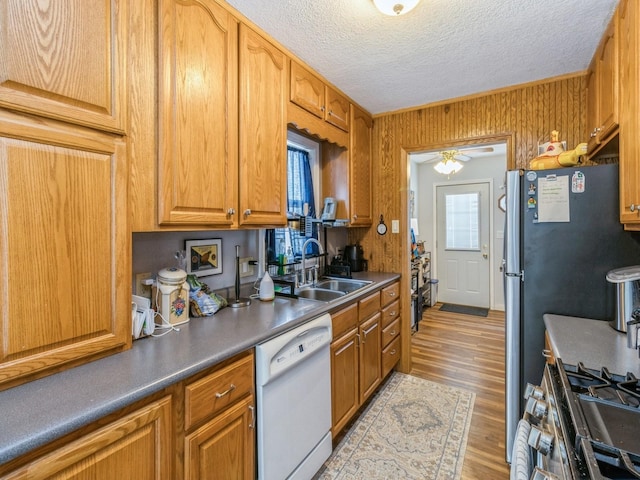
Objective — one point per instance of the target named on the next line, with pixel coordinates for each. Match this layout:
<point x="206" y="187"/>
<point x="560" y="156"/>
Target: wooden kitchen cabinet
<point x="308" y="91"/>
<point x="355" y="358"/>
<point x="263" y="134"/>
<point x="360" y="154"/>
<point x="370" y="356"/>
<point x="346" y="173"/>
<point x="390" y="337"/>
<point x="629" y="44"/>
<point x="65" y="60"/>
<point x="197" y="113"/>
<point x="216" y="155"/>
<point x="337" y="110"/>
<point x="602" y="90"/>
<point x="344" y="380"/>
<point x="63" y="193"/>
<point x="224" y="445"/>
<point x="135" y="446"/>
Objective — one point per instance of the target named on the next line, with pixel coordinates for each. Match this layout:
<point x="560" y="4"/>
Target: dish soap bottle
<point x="266" y="288"/>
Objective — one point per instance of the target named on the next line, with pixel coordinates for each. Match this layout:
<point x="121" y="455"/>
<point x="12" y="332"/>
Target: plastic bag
<point x="202" y="301"/>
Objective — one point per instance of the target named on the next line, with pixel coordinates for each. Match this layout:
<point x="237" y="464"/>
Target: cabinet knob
<point x="231" y="211"/>
<point x="247" y="212"/>
<point x="632" y="207"/>
<point x="355" y="216"/>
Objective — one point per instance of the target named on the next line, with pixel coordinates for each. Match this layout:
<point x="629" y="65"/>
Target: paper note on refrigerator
<point x="553" y="199"/>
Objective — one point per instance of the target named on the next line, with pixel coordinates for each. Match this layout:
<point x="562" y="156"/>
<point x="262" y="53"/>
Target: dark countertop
<point x="593" y="342"/>
<point x="41" y="411"/>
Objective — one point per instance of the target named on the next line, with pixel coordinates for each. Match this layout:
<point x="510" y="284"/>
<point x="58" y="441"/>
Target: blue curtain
<point x="300" y="183"/>
<point x="299" y="192"/>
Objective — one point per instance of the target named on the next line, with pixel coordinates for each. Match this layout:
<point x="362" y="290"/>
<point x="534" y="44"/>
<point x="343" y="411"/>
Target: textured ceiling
<point x="442" y="49"/>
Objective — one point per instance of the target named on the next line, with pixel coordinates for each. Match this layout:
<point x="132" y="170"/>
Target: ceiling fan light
<point x="447" y="167"/>
<point x="395" y="8"/>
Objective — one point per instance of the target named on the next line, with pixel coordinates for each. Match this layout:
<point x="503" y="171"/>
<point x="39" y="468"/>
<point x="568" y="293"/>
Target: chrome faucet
<point x="304" y="280"/>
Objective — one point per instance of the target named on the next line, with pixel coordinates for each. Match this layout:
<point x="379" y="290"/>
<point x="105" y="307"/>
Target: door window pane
<point x="462" y="221"/>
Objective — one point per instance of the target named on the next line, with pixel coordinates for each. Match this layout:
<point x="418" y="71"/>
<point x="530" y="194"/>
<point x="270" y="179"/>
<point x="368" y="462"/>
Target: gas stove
<point x="601" y="414"/>
<point x="579" y="424"/>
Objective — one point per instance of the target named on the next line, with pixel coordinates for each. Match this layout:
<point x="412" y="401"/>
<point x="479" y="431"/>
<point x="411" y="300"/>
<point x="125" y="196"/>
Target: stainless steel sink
<point x="320" y="294"/>
<point x="342" y="285"/>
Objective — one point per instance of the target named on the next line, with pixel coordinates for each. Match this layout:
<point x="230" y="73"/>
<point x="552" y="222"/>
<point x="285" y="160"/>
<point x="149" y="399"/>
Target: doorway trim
<point x="434" y="256"/>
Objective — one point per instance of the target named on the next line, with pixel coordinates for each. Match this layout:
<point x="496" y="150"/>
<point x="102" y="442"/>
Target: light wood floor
<point x="468" y="351"/>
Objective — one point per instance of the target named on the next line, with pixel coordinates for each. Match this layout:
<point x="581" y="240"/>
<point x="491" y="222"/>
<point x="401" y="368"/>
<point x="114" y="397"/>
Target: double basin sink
<point x="328" y="289"/>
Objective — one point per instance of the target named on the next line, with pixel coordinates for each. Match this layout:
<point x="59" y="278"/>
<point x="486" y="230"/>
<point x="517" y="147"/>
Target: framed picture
<point x="204" y="257"/>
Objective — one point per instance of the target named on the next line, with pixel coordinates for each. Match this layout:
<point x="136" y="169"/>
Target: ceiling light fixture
<point x="448" y="164"/>
<point x="395" y="7"/>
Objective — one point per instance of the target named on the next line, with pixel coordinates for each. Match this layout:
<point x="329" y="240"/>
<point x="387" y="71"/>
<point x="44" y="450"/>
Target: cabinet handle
<point x="547" y="353"/>
<point x="392" y="333"/>
<point x="247" y="212"/>
<point x="392" y="352"/>
<point x="392" y="294"/>
<point x="392" y="314"/>
<point x="355" y="216"/>
<point x="253" y="417"/>
<point x="632" y="207"/>
<point x="226" y="392"/>
<point x="231" y="211"/>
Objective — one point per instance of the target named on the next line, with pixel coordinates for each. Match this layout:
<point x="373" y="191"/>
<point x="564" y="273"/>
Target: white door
<point x="462" y="243"/>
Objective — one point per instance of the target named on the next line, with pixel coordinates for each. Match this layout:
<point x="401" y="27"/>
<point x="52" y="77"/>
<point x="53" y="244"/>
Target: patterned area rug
<point x="412" y="429"/>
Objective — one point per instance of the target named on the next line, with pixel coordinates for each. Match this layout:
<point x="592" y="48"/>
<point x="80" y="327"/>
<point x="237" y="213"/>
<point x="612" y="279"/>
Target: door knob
<point x="485" y="256"/>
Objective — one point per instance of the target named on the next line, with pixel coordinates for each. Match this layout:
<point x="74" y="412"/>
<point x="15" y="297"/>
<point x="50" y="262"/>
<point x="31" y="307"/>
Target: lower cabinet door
<point x="344" y="380"/>
<point x="224" y="447"/>
<point x="370" y="356"/>
<point x="134" y="447"/>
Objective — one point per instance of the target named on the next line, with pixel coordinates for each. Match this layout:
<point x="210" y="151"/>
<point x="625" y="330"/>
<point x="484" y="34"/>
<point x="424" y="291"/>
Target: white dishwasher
<point x="293" y="384"/>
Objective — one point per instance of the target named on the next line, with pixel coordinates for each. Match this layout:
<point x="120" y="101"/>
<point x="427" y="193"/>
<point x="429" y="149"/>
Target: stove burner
<point x="612" y="388"/>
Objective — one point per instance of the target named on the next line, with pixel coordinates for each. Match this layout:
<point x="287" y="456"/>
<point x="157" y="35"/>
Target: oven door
<point x="521" y="456"/>
<point x="539" y="451"/>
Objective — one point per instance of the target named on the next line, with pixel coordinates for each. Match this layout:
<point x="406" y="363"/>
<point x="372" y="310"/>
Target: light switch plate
<point x="395" y="226"/>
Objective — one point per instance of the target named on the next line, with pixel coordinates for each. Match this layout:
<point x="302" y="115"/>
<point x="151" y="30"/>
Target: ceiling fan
<point x="449" y="160"/>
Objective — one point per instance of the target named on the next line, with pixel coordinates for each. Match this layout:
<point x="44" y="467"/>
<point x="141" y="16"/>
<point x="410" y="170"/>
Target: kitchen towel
<point x="412" y="429"/>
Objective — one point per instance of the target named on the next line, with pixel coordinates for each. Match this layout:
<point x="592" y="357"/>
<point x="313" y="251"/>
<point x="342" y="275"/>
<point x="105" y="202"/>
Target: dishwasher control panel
<point x="285" y="351"/>
<point x="305" y="346"/>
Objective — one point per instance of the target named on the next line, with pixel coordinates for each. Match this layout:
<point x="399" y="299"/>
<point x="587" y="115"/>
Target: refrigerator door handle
<point x="521" y="275"/>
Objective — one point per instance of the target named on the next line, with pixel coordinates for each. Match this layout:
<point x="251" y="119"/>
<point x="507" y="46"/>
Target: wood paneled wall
<point x="524" y="116"/>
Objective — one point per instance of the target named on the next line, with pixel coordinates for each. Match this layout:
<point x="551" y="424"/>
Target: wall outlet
<point x="246" y="269"/>
<point x="141" y="289"/>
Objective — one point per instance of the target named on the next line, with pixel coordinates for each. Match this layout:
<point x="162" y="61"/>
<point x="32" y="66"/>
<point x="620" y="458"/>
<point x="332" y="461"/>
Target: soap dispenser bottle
<point x="266" y="288"/>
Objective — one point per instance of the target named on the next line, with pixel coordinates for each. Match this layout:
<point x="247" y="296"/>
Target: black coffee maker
<point x="354" y="255"/>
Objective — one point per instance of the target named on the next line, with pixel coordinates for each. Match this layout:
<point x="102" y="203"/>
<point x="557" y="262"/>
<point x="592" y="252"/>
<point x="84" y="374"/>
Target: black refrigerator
<point x="562" y="235"/>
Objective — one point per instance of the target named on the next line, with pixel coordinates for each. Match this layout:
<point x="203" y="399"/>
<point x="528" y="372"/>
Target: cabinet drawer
<point x="390" y="313"/>
<point x="368" y="306"/>
<point x="391" y="331"/>
<point x="216" y="391"/>
<point x="344" y="320"/>
<point x="390" y="356"/>
<point x="390" y="293"/>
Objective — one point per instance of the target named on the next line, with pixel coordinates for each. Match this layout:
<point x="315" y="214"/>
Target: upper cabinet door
<point x="360" y="171"/>
<point x="65" y="60"/>
<point x="263" y="135"/>
<point x="306" y="90"/>
<point x="197" y="113"/>
<point x="65" y="243"/>
<point x="337" y="109"/>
